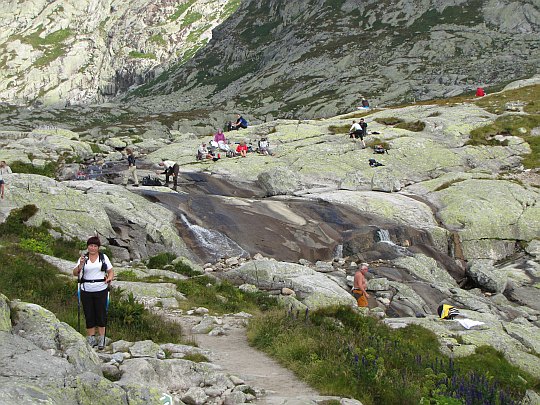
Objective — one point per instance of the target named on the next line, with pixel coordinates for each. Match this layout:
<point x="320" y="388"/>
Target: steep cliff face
<point x="316" y="57"/>
<point x="80" y="51"/>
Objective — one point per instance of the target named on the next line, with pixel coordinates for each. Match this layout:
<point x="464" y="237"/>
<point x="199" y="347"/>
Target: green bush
<point x="339" y="129"/>
<point x="415" y="126"/>
<point x="222" y="297"/>
<point x="388" y="120"/>
<point x="340" y="352"/>
<point x="49" y="170"/>
<point x="38" y="246"/>
<point x="196" y="358"/>
<point x="160" y="260"/>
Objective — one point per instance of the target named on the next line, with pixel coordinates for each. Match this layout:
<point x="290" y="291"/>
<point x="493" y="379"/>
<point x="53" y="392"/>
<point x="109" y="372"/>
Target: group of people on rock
<point x="358" y="130"/>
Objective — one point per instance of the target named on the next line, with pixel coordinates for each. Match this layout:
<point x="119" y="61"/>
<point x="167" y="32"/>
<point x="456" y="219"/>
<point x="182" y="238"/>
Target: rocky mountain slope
<point x="276" y="58"/>
<point x="86" y="51"/>
<point x="449" y="216"/>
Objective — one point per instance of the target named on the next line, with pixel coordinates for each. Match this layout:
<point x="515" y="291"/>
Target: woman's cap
<point x="94" y="240"/>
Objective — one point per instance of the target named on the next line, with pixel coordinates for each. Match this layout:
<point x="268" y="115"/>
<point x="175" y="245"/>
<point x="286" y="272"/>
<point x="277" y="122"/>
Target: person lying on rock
<point x="94" y="271"/>
<point x="360" y="284"/>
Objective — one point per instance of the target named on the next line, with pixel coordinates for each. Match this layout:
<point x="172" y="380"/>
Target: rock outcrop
<point x="88" y="51"/>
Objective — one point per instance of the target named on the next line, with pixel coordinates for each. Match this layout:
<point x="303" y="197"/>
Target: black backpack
<point x="151" y="181"/>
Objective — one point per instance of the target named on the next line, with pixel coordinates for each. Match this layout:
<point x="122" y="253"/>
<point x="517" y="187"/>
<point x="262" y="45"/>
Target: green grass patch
<point x="496" y="103"/>
<point x="388" y="120"/>
<point x="190" y="18"/>
<point x="414" y="126"/>
<point x="196" y="358"/>
<point x="339" y="352"/>
<point x="371" y="142"/>
<point x="158" y="39"/>
<point x="339" y="129"/>
<point x="48" y="170"/>
<point x="511" y="125"/>
<point x="181" y="10"/>
<point x="141" y="55"/>
<point x="230" y="8"/>
<point x="222" y="297"/>
<point x="95" y="148"/>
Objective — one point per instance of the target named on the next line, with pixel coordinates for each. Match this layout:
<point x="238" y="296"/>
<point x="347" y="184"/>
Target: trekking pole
<point x="107" y="309"/>
<point x="78" y="306"/>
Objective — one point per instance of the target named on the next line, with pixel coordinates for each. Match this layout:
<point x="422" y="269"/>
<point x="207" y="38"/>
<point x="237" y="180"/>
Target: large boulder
<point x="279" y="181"/>
<point x="312" y="288"/>
<point x="80" y="208"/>
<point x="487" y="276"/>
<point x="42" y="328"/>
<point x="499" y="213"/>
<point x="5" y="314"/>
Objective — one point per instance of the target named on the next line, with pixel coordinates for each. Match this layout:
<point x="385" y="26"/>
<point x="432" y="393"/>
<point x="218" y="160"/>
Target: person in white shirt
<point x="94" y="271"/>
<point x="358" y="131"/>
<point x="171" y="168"/>
<point x="4" y="169"/>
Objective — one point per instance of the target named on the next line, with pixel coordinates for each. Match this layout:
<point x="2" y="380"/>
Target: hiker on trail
<point x="264" y="146"/>
<point x="203" y="153"/>
<point x="132" y="168"/>
<point x="171" y="168"/>
<point x="221" y="141"/>
<point x="95" y="274"/>
<point x="240" y="123"/>
<point x="242" y="149"/>
<point x="4" y="169"/>
<point x="360" y="284"/>
<point x="480" y="92"/>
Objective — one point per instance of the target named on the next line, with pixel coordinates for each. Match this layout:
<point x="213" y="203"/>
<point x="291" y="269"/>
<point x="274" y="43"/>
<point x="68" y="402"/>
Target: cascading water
<point x="384" y="236"/>
<point x="214" y="242"/>
<point x="338" y="252"/>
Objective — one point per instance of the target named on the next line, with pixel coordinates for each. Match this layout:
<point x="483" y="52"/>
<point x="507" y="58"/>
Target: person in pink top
<point x="220" y="139"/>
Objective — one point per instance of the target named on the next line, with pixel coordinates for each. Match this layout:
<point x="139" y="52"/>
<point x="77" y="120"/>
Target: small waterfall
<point x="338" y="252"/>
<point x="384" y="236"/>
<point x="215" y="242"/>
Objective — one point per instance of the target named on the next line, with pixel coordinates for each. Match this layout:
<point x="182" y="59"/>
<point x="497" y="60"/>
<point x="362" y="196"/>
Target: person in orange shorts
<point x="360" y="284"/>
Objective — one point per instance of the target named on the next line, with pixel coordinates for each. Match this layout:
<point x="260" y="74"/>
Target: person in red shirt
<point x="242" y="149"/>
<point x="480" y="92"/>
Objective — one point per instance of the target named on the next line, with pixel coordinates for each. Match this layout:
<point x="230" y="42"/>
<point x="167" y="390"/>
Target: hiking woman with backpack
<point x="95" y="272"/>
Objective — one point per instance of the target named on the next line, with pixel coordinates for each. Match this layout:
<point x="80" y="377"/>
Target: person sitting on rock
<point x="221" y="141"/>
<point x="365" y="103"/>
<point x="203" y="152"/>
<point x="171" y="168"/>
<point x="240" y="123"/>
<point x="264" y="146"/>
<point x="242" y="149"/>
<point x="480" y="92"/>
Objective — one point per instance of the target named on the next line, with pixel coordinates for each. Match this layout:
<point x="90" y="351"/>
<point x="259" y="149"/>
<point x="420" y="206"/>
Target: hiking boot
<point x="91" y="340"/>
<point x="101" y="342"/>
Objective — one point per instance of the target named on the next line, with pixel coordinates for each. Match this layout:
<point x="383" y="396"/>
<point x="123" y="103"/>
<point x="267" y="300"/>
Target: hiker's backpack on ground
<point x="379" y="149"/>
<point x="446" y="311"/>
<point x="374" y="163"/>
<point x="151" y="181"/>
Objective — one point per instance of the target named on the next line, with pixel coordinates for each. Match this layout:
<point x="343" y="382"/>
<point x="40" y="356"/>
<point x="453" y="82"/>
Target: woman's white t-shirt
<point x="92" y="271"/>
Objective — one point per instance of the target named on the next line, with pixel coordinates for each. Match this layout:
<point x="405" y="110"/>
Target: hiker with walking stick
<point x="95" y="272"/>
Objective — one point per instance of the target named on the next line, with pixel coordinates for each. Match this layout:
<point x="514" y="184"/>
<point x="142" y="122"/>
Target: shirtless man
<point x="359" y="285"/>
